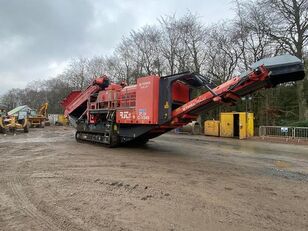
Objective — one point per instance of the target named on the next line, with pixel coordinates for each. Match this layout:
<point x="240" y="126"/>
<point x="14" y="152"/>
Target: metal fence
<point x="297" y="133"/>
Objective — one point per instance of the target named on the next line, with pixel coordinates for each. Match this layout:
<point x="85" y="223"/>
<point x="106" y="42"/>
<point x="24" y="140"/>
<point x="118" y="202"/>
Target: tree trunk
<point x="302" y="90"/>
<point x="302" y="94"/>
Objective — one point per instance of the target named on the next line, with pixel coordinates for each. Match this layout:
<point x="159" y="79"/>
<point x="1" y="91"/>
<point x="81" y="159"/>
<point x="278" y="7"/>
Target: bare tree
<point x="95" y="67"/>
<point x="128" y="55"/>
<point x="170" y="42"/>
<point x="251" y="39"/>
<point x="147" y="41"/>
<point x="11" y="99"/>
<point x="287" y="24"/>
<point x="223" y="55"/>
<point x="115" y="69"/>
<point x="193" y="35"/>
<point x="76" y="73"/>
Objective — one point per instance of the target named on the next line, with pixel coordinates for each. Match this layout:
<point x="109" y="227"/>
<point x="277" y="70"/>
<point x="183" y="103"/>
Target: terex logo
<point x="125" y="114"/>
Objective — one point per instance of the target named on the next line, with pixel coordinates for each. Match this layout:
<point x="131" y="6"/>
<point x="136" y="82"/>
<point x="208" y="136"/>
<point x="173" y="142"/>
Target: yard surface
<point x="48" y="181"/>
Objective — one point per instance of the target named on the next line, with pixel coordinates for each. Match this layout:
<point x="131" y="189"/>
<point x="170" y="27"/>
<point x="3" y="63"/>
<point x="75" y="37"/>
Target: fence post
<point x="287" y="133"/>
<point x="260" y="133"/>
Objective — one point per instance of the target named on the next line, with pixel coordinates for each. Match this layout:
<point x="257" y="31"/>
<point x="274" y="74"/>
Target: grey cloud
<point x="42" y="29"/>
<point x="37" y="33"/>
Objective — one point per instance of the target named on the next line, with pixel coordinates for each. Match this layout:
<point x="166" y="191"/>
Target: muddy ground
<point x="175" y="182"/>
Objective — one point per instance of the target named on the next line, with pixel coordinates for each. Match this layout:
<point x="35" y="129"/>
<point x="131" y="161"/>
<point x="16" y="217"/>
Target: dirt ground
<point x="175" y="182"/>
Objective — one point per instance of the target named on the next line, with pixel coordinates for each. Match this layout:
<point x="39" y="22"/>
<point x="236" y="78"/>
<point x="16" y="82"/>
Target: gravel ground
<point x="175" y="182"/>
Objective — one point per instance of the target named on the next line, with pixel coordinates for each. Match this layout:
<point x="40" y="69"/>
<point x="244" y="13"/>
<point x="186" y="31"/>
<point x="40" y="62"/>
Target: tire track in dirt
<point x="49" y="216"/>
<point x="65" y="219"/>
<point x="28" y="208"/>
<point x="174" y="183"/>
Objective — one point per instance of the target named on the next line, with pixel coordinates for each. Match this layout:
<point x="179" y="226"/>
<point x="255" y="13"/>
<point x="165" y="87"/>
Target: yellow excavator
<point x="39" y="117"/>
<point x="16" y="119"/>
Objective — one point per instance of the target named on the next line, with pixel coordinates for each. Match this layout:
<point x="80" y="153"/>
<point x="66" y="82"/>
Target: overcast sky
<point x="39" y="37"/>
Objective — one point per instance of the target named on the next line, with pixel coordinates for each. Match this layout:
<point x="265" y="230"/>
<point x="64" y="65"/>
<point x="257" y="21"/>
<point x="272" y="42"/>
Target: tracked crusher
<point x="114" y="114"/>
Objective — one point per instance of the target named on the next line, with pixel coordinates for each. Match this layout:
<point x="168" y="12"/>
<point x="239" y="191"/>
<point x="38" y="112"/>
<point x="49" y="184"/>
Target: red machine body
<point x="139" y="103"/>
<point x="115" y="114"/>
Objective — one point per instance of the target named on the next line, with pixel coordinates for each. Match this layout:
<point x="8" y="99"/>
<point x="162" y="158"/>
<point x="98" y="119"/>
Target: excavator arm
<point x="42" y="111"/>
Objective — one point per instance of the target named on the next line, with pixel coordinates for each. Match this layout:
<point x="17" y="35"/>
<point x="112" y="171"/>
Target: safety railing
<point x="297" y="133"/>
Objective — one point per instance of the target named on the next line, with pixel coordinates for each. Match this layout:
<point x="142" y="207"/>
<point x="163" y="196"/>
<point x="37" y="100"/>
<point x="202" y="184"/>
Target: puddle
<point x="298" y="176"/>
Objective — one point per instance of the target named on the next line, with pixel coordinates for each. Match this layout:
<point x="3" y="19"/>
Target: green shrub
<point x="303" y="123"/>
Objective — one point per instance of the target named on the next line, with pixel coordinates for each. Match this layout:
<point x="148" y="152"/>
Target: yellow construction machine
<point x="16" y="119"/>
<point x="61" y="120"/>
<point x="39" y="117"/>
